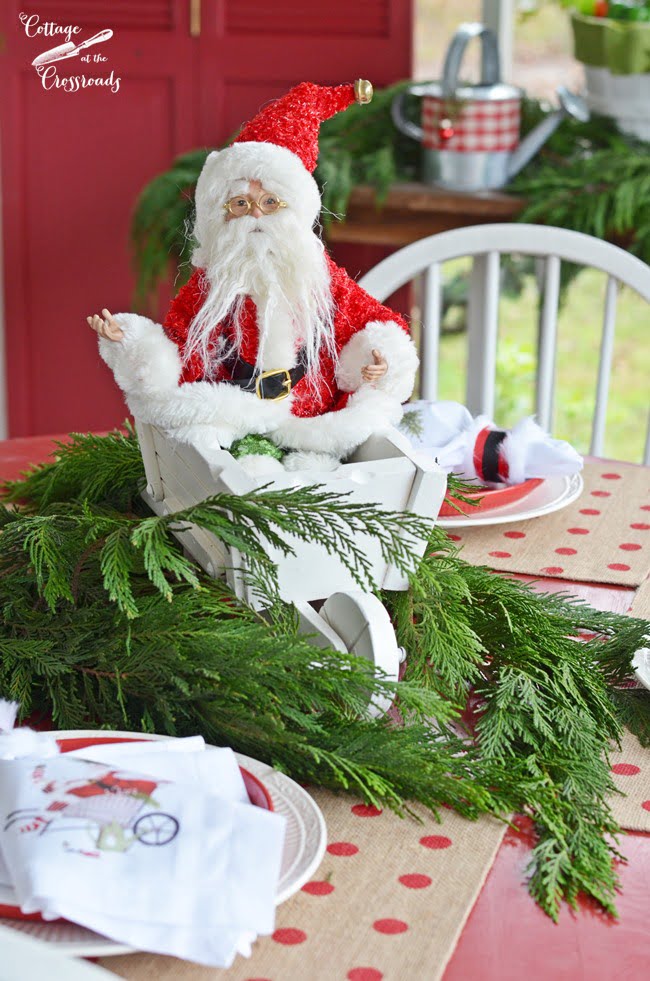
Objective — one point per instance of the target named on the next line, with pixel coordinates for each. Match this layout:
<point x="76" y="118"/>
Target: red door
<point x="184" y="74"/>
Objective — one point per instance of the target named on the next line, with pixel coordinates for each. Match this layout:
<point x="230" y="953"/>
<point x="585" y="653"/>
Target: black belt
<point x="271" y="385"/>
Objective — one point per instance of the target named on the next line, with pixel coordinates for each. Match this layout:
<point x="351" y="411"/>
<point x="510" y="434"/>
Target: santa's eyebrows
<point x="241" y="185"/>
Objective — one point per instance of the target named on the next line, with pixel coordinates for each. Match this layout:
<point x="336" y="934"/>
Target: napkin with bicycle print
<point x="141" y="845"/>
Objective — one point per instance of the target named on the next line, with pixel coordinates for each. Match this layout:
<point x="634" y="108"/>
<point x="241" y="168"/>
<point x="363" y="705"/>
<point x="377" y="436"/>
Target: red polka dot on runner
<point x="645" y="507"/>
<point x="366" y="810"/>
<point x="390" y="926"/>
<point x="435" y="841"/>
<point x="640" y="526"/>
<point x="452" y="538"/>
<point x="611" y="476"/>
<point x="589" y="511"/>
<point x="318" y="888"/>
<point x="500" y="555"/>
<point x="553" y="570"/>
<point x="514" y="534"/>
<point x="415" y="881"/>
<point x="566" y="551"/>
<point x="626" y="769"/>
<point x="289" y="936"/>
<point x="364" y="974"/>
<point x="578" y="531"/>
<point x="342" y="848"/>
<point x="619" y="567"/>
<point x="646" y="805"/>
<point x="630" y="547"/>
<point x="598" y="493"/>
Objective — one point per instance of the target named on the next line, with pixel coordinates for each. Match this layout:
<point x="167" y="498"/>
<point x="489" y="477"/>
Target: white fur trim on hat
<point x="395" y="345"/>
<point x="145" y="360"/>
<point x="278" y="169"/>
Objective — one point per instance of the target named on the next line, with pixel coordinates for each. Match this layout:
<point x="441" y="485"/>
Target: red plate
<point x="257" y="794"/>
<point x="489" y="498"/>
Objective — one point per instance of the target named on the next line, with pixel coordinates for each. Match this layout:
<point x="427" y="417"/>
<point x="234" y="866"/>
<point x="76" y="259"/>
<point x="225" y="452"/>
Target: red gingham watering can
<point x="470" y="133"/>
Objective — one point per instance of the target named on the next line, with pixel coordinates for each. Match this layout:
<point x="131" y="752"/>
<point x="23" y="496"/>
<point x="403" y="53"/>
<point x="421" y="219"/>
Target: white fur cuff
<point x="145" y="360"/>
<point x="395" y="345"/>
<point x="339" y="433"/>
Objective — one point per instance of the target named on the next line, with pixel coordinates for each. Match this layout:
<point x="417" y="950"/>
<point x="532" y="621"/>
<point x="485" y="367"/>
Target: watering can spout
<point x="570" y="105"/>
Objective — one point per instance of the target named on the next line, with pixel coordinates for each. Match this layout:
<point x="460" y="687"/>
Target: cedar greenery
<point x="105" y="621"/>
<point x="588" y="177"/>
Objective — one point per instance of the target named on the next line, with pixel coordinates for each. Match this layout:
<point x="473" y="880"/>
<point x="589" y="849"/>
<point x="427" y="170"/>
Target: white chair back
<point x="485" y="244"/>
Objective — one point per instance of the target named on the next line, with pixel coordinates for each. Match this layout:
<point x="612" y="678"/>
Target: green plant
<point x="622" y="10"/>
<point x="104" y="620"/>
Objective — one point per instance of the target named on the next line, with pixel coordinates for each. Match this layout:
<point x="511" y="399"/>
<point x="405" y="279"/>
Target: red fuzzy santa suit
<point x="330" y="389"/>
<point x="265" y="303"/>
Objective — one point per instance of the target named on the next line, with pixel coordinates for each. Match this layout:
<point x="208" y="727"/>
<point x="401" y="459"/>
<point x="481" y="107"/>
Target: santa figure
<point x="269" y="336"/>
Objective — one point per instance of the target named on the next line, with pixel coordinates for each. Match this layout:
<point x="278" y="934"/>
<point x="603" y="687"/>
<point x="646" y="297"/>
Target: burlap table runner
<point x="631" y="773"/>
<point x="631" y="764"/>
<point x="388" y="902"/>
<point x="602" y="537"/>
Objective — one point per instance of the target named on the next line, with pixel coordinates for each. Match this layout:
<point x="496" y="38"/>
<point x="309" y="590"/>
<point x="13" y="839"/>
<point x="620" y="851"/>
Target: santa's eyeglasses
<point x="242" y="205"/>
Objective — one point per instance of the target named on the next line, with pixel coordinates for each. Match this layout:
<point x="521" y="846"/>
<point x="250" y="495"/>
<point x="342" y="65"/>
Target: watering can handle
<point x="403" y="124"/>
<point x="490" y="73"/>
<point x="490" y="66"/>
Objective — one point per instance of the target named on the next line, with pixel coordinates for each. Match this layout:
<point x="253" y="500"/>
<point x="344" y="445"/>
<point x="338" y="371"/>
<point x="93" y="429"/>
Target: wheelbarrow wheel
<point x="155" y="829"/>
<point x="363" y="624"/>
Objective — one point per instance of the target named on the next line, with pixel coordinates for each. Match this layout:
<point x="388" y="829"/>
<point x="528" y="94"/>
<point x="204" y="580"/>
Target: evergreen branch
<point x="161" y="557"/>
<point x="102" y="622"/>
<point x="631" y="706"/>
<point x="74" y="473"/>
<point x="116" y="566"/>
<point x="275" y="517"/>
<point x="545" y="711"/>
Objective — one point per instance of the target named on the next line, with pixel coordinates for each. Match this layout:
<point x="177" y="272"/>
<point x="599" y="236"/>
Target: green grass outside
<point x="579" y="330"/>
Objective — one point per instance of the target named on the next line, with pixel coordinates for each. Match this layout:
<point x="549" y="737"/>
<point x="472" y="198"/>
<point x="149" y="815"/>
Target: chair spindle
<point x="604" y="367"/>
<point x="482" y="331"/>
<point x="547" y="342"/>
<point x="430" y="336"/>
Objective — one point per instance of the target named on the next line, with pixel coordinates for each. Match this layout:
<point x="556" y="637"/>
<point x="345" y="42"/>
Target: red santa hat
<point x="279" y="147"/>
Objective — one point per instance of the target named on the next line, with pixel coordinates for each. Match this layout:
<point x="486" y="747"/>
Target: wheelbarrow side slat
<point x="384" y="471"/>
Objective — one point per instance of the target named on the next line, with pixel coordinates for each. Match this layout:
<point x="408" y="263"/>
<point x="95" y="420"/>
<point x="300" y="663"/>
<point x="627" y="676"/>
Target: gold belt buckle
<point x="269" y="374"/>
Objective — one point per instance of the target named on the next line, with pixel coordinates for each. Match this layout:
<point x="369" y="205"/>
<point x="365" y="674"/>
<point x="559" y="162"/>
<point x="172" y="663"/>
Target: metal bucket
<point x="468" y="132"/>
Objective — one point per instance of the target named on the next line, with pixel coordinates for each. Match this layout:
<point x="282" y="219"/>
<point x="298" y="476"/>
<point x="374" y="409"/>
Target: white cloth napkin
<point x="476" y="449"/>
<point x="196" y="877"/>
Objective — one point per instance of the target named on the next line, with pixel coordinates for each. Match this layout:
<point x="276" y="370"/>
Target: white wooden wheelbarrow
<point x="385" y="470"/>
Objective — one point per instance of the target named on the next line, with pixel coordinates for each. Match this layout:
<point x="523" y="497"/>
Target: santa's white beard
<point x="278" y="262"/>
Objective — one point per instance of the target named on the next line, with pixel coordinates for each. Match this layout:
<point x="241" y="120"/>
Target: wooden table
<point x="507" y="937"/>
<point x="413" y="211"/>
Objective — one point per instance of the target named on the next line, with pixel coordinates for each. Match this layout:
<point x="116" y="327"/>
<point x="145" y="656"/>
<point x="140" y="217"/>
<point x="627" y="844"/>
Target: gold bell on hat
<point x="363" y="91"/>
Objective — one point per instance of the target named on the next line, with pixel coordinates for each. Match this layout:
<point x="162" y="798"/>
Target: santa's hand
<point x="373" y="372"/>
<point x="106" y="326"/>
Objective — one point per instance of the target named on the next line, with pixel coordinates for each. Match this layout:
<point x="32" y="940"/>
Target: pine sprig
<point x="545" y="704"/>
<point x="104" y="620"/>
<point x="74" y="474"/>
<point x="275" y="517"/>
<point x="602" y="193"/>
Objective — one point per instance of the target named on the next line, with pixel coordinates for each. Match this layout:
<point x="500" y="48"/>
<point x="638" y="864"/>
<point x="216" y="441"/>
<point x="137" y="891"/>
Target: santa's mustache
<point x="278" y="263"/>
